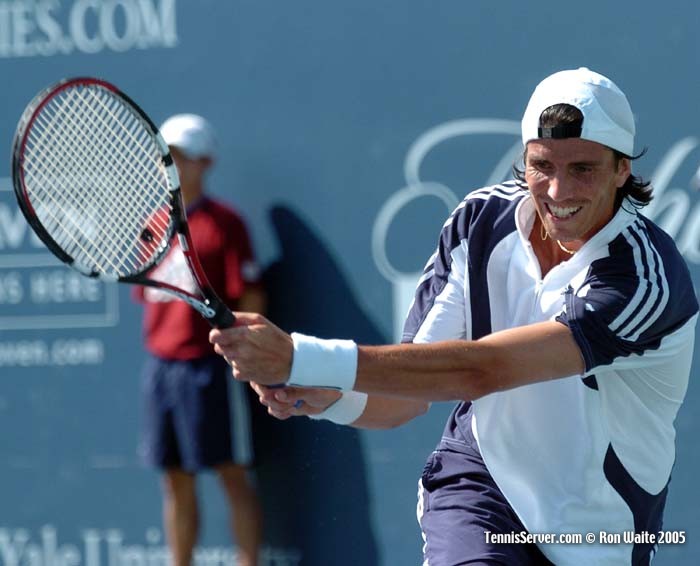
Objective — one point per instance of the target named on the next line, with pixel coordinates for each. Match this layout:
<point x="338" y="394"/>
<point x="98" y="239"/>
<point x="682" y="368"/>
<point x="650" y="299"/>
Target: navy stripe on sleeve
<point x="482" y="220"/>
<point x="624" y="305"/>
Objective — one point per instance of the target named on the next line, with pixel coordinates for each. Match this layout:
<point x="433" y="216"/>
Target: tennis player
<point x="562" y="320"/>
<point x="197" y="419"/>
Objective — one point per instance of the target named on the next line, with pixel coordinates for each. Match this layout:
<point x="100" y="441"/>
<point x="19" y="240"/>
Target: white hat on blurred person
<point x="191" y="134"/>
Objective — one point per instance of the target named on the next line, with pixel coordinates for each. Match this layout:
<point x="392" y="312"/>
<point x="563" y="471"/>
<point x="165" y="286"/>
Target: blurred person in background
<point x="196" y="418"/>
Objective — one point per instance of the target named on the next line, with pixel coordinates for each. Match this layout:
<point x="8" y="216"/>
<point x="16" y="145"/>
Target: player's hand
<point x="255" y="348"/>
<point x="295" y="401"/>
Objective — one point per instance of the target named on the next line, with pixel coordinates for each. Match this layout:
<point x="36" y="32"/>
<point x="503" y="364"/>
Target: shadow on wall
<point x="312" y="474"/>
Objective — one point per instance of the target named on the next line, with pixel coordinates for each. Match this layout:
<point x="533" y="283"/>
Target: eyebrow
<point x="541" y="158"/>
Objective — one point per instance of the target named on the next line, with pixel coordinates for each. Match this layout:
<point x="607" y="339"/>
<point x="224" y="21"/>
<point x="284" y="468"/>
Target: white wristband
<point x="323" y="363"/>
<point x="347" y="409"/>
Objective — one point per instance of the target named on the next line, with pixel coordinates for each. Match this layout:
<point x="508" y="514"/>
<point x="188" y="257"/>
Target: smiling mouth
<point x="562" y="212"/>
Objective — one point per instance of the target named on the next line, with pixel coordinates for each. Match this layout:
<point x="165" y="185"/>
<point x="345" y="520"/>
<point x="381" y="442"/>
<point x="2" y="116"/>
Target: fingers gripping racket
<point x="96" y="182"/>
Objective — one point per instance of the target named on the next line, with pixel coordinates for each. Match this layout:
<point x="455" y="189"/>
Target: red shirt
<point x="172" y="328"/>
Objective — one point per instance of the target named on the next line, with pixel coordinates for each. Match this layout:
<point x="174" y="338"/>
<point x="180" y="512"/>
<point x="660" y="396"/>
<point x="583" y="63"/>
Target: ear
<point x="624" y="170"/>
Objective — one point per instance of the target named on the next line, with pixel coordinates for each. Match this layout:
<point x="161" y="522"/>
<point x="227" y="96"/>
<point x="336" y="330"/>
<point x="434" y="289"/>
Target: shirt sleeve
<point x="626" y="320"/>
<point x="438" y="308"/>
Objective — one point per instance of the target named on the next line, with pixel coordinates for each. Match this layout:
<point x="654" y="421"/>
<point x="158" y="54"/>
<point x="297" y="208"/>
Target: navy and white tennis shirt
<point x="586" y="453"/>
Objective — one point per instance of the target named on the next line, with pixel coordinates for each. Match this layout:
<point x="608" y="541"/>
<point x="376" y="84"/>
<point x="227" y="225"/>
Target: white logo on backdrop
<point x="675" y="209"/>
<point x="20" y="546"/>
<point x="37" y="292"/>
<point x="52" y="27"/>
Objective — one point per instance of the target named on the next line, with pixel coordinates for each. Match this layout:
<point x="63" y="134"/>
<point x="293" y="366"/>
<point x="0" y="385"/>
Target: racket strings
<point x="82" y="161"/>
<point x="96" y="177"/>
<point x="82" y="209"/>
<point x="109" y="164"/>
<point x="61" y="213"/>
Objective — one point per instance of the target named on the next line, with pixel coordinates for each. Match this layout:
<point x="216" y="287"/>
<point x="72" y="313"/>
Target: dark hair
<point x="636" y="190"/>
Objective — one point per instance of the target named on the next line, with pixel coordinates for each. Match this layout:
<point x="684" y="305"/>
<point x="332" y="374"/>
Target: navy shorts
<point x="458" y="501"/>
<point x="195" y="415"/>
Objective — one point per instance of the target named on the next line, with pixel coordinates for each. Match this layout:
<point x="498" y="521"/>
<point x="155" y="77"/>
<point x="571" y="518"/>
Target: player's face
<point x="573" y="183"/>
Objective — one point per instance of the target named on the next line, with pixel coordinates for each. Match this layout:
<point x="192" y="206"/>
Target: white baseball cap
<point x="607" y="116"/>
<point x="191" y="134"/>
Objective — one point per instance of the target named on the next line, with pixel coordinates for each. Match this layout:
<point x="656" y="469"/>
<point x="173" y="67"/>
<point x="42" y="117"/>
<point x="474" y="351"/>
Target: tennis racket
<point x="96" y="182"/>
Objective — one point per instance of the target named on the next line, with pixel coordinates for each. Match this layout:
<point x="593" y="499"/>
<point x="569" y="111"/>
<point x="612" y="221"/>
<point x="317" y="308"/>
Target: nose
<point x="561" y="187"/>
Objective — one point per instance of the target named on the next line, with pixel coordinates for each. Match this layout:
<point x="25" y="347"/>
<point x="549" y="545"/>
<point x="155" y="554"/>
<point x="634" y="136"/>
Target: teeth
<point x="563" y="212"/>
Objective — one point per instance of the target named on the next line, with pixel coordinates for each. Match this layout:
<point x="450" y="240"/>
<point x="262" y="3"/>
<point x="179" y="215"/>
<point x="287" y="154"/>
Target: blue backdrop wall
<point x="347" y="132"/>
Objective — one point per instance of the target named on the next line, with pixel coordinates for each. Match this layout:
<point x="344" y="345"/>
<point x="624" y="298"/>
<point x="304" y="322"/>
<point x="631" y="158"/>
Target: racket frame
<point x="210" y="306"/>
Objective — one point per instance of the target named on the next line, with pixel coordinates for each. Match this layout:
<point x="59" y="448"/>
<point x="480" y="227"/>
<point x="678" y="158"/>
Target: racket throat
<point x="202" y="307"/>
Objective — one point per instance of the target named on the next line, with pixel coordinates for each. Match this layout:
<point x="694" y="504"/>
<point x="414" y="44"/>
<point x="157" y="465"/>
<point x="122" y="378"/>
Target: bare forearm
<point x="386" y="412"/>
<point x="375" y="412"/>
<point x="424" y="372"/>
<point x="467" y="370"/>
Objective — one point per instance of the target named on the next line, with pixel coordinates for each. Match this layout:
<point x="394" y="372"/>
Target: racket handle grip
<point x="223" y="318"/>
